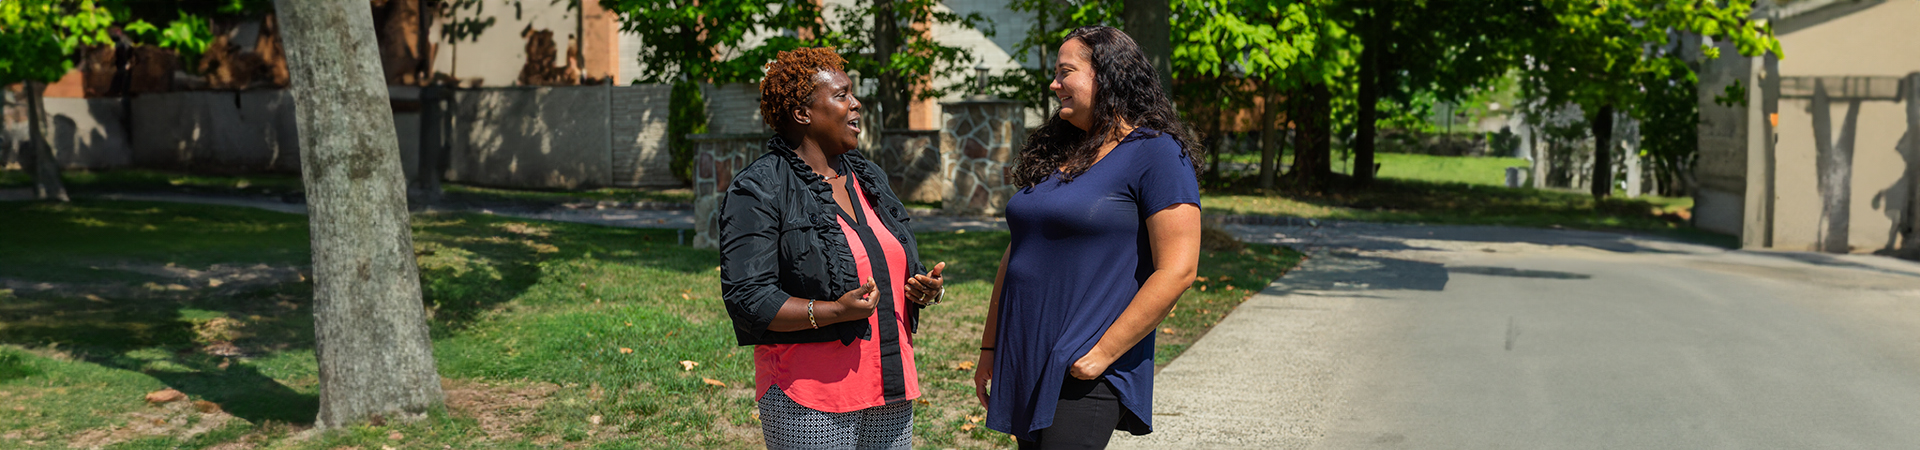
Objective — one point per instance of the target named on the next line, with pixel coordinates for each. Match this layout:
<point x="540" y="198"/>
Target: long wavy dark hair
<point x="1126" y="90"/>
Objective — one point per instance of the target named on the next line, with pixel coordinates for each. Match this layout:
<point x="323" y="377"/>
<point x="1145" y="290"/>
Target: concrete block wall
<point x="638" y="115"/>
<point x="553" y="137"/>
<point x="733" y="108"/>
<point x="86" y="133"/>
<point x="228" y="132"/>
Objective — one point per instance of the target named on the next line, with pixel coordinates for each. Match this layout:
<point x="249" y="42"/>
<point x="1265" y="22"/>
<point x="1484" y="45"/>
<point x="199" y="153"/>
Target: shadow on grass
<point x="166" y="338"/>
<point x="210" y="342"/>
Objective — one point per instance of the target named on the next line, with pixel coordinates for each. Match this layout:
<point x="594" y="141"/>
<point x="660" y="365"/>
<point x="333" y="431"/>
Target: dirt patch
<point x="180" y="420"/>
<point x="176" y="281"/>
<point x="500" y="409"/>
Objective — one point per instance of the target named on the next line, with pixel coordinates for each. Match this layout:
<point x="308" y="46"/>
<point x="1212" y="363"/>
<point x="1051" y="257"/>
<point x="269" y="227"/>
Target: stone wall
<point x="915" y="168"/>
<point x="717" y="158"/>
<point x="976" y="145"/>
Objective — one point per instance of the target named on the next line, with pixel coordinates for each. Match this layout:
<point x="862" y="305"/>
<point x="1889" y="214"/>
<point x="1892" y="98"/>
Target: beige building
<point x="1825" y="153"/>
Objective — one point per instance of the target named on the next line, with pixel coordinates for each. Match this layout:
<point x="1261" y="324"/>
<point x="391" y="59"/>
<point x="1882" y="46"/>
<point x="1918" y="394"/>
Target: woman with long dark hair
<point x="819" y="271"/>
<point x="1106" y="236"/>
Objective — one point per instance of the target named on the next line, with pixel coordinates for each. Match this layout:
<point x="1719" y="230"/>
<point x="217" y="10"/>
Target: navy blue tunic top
<point x="1080" y="253"/>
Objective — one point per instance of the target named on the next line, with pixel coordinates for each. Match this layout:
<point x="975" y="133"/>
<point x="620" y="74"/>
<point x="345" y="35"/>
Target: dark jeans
<point x="1089" y="411"/>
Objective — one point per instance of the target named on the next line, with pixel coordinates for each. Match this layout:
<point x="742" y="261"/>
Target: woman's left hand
<point x="926" y="289"/>
<point x="1091" y="365"/>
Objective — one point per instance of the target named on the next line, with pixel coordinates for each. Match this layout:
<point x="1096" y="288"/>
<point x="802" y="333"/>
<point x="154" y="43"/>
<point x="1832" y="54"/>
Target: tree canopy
<point x="38" y="37"/>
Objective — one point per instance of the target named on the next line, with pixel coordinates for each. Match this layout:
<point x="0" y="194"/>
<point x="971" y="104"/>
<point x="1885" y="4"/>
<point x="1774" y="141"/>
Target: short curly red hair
<point x="789" y="84"/>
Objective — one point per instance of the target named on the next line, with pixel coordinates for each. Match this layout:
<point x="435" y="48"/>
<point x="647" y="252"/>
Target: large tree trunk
<point x="1374" y="41"/>
<point x="892" y="90"/>
<point x="1312" y="138"/>
<point x="1148" y="22"/>
<point x="370" y="328"/>
<point x="1602" y="185"/>
<point x="1269" y="135"/>
<point x="46" y="169"/>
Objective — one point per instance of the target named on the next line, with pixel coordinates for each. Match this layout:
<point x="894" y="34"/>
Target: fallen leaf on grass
<point x="206" y="407"/>
<point x="923" y="402"/>
<point x="1200" y="279"/>
<point x="594" y="419"/>
<point x="974" y="418"/>
<point x="165" y="395"/>
<point x="1203" y="288"/>
<point x="688" y="365"/>
<point x="1168" y="331"/>
<point x="625" y="350"/>
<point x="961" y="365"/>
<point x="967" y="427"/>
<point x="684" y="296"/>
<point x="395" y="436"/>
<point x="1229" y="287"/>
<point x="713" y="382"/>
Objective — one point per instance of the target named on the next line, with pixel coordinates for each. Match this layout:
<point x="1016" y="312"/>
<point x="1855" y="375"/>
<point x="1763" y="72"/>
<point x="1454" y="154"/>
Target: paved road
<point x="1404" y="337"/>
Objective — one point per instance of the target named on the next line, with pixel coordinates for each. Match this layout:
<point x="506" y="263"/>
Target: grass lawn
<point x="547" y="334"/>
<point x="1460" y="191"/>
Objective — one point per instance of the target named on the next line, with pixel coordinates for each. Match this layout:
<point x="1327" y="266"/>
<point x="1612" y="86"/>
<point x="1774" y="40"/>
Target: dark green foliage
<point x="686" y="114"/>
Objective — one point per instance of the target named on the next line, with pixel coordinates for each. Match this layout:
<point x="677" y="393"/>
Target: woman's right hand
<point x="983" y="376"/>
<point x="856" y="304"/>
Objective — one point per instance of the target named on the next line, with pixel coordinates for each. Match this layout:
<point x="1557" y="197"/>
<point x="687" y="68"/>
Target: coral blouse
<point x="832" y="377"/>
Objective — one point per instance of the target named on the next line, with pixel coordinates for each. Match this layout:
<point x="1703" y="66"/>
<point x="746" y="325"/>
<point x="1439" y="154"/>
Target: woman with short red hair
<point x="819" y="271"/>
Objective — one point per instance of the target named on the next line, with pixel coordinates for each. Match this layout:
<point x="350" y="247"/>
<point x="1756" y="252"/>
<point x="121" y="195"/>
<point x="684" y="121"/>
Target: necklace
<point x="837" y="172"/>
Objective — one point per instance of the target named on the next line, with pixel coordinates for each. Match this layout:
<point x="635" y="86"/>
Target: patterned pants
<point x="788" y="425"/>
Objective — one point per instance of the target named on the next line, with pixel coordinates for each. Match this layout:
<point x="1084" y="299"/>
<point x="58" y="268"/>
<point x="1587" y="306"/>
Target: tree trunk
<point x="1374" y="41"/>
<point x="426" y="180"/>
<point x="1602" y="185"/>
<point x="46" y="169"/>
<point x="1269" y="135"/>
<point x="1312" y="138"/>
<point x="1148" y="22"/>
<point x="892" y="90"/>
<point x="370" y="328"/>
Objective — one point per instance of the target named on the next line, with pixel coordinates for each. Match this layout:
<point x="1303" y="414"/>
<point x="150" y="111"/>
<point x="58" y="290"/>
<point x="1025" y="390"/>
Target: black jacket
<point x="780" y="238"/>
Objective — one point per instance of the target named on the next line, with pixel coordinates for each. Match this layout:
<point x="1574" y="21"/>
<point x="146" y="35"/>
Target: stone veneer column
<point x="977" y="143"/>
<point x="915" y="167"/>
<point x="716" y="158"/>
